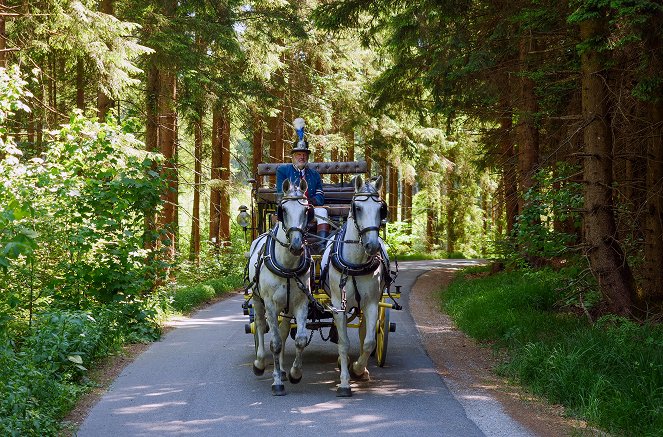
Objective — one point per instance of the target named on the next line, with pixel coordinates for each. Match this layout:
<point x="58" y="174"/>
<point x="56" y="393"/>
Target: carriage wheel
<point x="382" y="336"/>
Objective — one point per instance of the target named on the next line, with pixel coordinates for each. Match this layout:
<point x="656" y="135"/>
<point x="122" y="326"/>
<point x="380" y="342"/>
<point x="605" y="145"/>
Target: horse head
<point x="368" y="210"/>
<point x="293" y="213"/>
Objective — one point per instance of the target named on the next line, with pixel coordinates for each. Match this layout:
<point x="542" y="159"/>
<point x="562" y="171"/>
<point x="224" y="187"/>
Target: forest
<point x="527" y="133"/>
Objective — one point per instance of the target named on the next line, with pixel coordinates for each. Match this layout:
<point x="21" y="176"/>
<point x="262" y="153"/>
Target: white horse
<point x="279" y="266"/>
<point x="357" y="267"/>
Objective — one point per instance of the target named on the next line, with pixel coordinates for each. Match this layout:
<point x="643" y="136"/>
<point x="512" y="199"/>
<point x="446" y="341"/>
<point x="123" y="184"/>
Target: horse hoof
<point x="344" y="392"/>
<point x="294" y="380"/>
<point x="355" y="375"/>
<point x="278" y="390"/>
<point x="258" y="371"/>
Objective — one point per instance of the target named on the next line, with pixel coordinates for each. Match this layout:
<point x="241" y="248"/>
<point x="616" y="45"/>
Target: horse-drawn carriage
<point x="300" y="285"/>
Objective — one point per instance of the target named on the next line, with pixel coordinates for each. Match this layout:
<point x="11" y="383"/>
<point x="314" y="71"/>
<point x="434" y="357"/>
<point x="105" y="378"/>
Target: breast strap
<point x="352" y="269"/>
<point x="276" y="268"/>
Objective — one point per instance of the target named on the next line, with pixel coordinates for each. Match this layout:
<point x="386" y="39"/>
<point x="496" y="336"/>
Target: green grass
<point x="609" y="373"/>
<point x="184" y="299"/>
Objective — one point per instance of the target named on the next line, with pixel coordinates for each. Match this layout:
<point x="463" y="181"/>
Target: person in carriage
<point x="300" y="170"/>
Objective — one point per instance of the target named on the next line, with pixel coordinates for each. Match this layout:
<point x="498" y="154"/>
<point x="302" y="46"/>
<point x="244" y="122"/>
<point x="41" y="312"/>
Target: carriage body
<point x="338" y="199"/>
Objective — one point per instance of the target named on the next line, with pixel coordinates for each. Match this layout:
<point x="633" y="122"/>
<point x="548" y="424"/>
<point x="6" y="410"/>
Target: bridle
<point x="280" y="215"/>
<point x="353" y="207"/>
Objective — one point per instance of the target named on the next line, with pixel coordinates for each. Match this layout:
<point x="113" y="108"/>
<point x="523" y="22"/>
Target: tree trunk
<point x="3" y="36"/>
<point x="152" y="109"/>
<point x="334" y="152"/>
<point x="256" y="142"/>
<point x="104" y="102"/>
<point x="224" y="212"/>
<point x="258" y="135"/>
<point x="430" y="227"/>
<point x="350" y="141"/>
<point x="80" y="84"/>
<point x="605" y="254"/>
<point x="393" y="193"/>
<point x="168" y="148"/>
<point x="528" y="144"/>
<point x="319" y="154"/>
<point x="215" y="192"/>
<point x="194" y="250"/>
<point x="368" y="159"/>
<point x="509" y="179"/>
<point x="652" y="287"/>
<point x="406" y="204"/>
<point x="274" y="126"/>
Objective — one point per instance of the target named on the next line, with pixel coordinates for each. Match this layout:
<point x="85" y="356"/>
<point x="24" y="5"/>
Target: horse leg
<point x="301" y="340"/>
<point x="341" y="321"/>
<point x="259" y="318"/>
<point x="275" y="345"/>
<point x="370" y="314"/>
<point x="284" y="331"/>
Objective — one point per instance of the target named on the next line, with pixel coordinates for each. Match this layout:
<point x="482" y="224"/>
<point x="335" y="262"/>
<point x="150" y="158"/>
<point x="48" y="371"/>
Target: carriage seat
<point x="337" y="196"/>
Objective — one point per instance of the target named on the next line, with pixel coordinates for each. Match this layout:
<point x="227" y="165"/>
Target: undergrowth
<point x="43" y="373"/>
<point x="609" y="373"/>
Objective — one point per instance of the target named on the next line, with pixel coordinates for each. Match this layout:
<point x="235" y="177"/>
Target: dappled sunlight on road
<point x="139" y="409"/>
<point x="318" y="408"/>
<point x="186" y="322"/>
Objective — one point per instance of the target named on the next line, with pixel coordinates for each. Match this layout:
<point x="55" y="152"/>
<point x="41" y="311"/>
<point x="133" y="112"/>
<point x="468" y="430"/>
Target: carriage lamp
<point x="243" y="219"/>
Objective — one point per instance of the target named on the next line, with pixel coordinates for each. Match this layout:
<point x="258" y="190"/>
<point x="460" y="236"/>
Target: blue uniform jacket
<point x="314" y="192"/>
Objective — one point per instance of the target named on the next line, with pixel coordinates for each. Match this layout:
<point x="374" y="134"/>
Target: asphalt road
<point x="198" y="381"/>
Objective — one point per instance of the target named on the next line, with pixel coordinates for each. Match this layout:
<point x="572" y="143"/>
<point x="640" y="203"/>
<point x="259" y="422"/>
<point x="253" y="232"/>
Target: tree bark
<point x="652" y="287"/>
<point x="256" y="142"/>
<point x="215" y="175"/>
<point x="528" y="144"/>
<point x="393" y="193"/>
<point x="152" y="108"/>
<point x="194" y="249"/>
<point x="509" y="179"/>
<point x="224" y="213"/>
<point x="350" y="141"/>
<point x="605" y="254"/>
<point x="3" y="36"/>
<point x="80" y="84"/>
<point x="406" y="203"/>
<point x="168" y="148"/>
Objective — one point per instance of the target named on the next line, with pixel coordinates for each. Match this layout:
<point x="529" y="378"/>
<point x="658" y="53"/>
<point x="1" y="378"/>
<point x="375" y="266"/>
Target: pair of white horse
<point x="280" y="268"/>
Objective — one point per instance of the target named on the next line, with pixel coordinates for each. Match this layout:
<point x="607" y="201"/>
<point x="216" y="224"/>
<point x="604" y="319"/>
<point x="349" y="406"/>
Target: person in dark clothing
<point x="300" y="170"/>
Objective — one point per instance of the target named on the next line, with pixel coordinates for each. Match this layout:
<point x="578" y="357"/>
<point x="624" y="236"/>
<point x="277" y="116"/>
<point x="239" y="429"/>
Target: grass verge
<point x="609" y="373"/>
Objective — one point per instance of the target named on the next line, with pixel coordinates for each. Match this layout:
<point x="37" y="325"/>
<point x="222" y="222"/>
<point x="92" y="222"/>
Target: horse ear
<point x="359" y="182"/>
<point x="378" y="184"/>
<point x="286" y="185"/>
<point x="303" y="185"/>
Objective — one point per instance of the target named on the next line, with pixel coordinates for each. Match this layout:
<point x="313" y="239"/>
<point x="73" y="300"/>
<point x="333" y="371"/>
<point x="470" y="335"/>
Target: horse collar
<point x="275" y="267"/>
<point x="343" y="265"/>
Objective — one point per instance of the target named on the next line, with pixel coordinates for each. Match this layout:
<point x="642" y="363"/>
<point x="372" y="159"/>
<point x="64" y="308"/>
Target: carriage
<point x="338" y="201"/>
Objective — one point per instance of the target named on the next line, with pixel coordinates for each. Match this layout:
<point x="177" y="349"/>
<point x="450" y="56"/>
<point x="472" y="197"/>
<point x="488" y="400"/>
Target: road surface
<point x="198" y="380"/>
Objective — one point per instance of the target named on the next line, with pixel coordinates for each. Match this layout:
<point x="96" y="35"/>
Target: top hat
<point x="302" y="144"/>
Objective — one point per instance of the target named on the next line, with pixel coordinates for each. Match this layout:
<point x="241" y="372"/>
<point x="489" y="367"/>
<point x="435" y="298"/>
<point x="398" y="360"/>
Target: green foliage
<point x="609" y="373"/>
<point x="555" y="198"/>
<point x="42" y="376"/>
